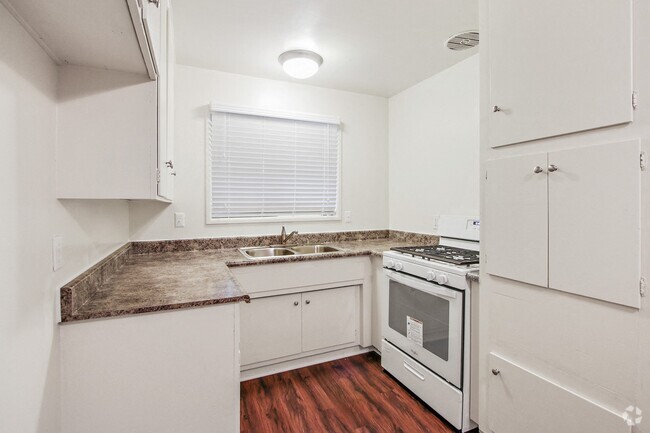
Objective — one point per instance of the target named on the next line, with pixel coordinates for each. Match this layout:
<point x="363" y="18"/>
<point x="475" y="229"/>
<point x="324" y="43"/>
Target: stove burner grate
<point x="457" y="256"/>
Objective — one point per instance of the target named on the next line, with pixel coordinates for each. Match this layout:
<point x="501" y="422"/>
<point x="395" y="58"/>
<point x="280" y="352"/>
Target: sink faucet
<point x="284" y="237"/>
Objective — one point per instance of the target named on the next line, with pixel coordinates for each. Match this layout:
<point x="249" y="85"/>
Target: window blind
<point x="263" y="166"/>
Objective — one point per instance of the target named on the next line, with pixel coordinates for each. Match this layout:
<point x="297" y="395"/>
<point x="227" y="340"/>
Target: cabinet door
<point x="516" y="219"/>
<point x="152" y="20"/>
<point x="594" y="222"/>
<point x="329" y="318"/>
<point x="558" y="66"/>
<point x="165" y="149"/>
<point x="519" y="400"/>
<point x="270" y="328"/>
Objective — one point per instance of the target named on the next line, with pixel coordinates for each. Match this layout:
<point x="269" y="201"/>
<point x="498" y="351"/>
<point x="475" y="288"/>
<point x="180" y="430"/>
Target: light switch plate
<point x="179" y="219"/>
<point x="347" y="216"/>
<point x="57" y="252"/>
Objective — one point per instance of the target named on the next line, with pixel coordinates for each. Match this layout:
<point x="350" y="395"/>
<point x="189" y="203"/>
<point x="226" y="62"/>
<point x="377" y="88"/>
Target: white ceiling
<point x="378" y="47"/>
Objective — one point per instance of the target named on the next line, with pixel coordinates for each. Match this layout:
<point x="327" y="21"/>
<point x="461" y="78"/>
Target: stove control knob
<point x="399" y="266"/>
<point x="431" y="276"/>
<point x="390" y="264"/>
<point x="443" y="279"/>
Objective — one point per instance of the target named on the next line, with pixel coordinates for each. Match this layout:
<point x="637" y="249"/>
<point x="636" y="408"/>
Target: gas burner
<point x="457" y="256"/>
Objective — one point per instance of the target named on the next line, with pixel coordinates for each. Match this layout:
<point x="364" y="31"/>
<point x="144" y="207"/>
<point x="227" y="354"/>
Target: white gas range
<point x="426" y="330"/>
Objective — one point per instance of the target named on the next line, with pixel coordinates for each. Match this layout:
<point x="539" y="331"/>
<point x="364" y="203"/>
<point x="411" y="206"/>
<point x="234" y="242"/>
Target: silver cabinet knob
<point x="307" y="301"/>
<point x="295" y="303"/>
<point x="495" y="371"/>
<point x="496" y="109"/>
<point x="538" y="169"/>
<point x="156" y="2"/>
<point x="169" y="164"/>
<point x="552" y="168"/>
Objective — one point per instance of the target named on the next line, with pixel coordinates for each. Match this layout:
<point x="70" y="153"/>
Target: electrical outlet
<point x="347" y="216"/>
<point x="436" y="221"/>
<point x="179" y="219"/>
<point x="57" y="252"/>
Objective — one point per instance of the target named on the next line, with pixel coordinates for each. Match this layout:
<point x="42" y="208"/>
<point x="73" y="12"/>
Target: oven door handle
<point x="416" y="283"/>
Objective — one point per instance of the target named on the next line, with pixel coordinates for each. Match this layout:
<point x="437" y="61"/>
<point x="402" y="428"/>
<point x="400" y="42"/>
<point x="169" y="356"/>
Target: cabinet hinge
<point x="642" y="286"/>
<point x="643" y="160"/>
<point x="635" y="100"/>
<point x="157" y="175"/>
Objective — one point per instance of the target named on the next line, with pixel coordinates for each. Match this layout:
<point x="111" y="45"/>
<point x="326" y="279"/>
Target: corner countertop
<point x="160" y="281"/>
<point x="473" y="276"/>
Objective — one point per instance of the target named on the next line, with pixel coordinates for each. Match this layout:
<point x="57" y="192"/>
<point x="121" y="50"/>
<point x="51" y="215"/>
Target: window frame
<point x="209" y="220"/>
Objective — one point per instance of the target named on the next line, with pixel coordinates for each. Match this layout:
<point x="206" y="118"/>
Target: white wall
<point x="364" y="153"/>
<point x="597" y="349"/>
<point x="434" y="148"/>
<point x="30" y="215"/>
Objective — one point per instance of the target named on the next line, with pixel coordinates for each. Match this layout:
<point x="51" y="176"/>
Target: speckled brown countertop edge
<point x="81" y="289"/>
<point x="155" y="308"/>
<point x="473" y="276"/>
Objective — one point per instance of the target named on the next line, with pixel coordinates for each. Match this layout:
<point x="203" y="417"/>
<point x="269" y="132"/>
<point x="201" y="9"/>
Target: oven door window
<point x="420" y="317"/>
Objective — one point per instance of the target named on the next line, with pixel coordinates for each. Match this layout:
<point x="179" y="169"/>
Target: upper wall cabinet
<point x="558" y="67"/>
<point x="114" y="128"/>
<point x="568" y="220"/>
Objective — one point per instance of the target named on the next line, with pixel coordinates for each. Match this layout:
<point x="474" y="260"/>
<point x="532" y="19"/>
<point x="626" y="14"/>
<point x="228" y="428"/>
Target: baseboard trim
<point x="294" y="364"/>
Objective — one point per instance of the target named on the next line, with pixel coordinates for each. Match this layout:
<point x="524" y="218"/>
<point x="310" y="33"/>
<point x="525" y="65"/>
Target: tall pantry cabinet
<point x="562" y="169"/>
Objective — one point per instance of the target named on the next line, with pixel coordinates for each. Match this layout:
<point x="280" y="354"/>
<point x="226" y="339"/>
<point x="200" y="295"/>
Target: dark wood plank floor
<point x="351" y="395"/>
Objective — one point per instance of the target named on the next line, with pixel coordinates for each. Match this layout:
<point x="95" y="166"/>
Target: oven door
<point x="425" y="320"/>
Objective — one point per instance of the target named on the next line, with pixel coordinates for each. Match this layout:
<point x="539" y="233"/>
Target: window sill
<point x="271" y="220"/>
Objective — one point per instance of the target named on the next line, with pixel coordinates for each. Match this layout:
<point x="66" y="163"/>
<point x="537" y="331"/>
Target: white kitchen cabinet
<point x="557" y="67"/>
<point x="113" y="131"/>
<point x="270" y="328"/>
<point x="276" y="327"/>
<point x="574" y="226"/>
<point x="329" y="318"/>
<point x="520" y="400"/>
<point x="518" y="219"/>
<point x="164" y="372"/>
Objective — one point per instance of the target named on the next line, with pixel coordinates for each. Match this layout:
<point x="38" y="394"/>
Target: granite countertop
<point x="157" y="281"/>
<point x="473" y="276"/>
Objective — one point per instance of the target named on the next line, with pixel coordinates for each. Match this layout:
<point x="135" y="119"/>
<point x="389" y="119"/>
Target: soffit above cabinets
<point x="94" y="33"/>
<point x="368" y="46"/>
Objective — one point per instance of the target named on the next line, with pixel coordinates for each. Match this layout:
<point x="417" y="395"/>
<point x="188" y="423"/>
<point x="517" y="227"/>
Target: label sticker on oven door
<point x="414" y="330"/>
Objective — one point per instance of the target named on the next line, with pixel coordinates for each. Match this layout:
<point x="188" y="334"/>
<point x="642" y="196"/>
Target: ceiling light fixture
<point x="300" y="64"/>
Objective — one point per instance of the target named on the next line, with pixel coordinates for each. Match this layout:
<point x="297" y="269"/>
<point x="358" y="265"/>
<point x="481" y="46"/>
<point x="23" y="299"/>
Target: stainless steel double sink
<point x="283" y="250"/>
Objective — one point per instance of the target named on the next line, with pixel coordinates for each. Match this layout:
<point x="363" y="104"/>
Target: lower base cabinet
<point x="280" y="326"/>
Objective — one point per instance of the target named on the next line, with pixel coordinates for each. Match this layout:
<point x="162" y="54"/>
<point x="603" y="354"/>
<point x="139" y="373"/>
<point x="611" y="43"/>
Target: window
<point x="267" y="166"/>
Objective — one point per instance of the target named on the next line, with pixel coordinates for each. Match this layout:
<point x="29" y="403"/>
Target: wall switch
<point x="436" y="221"/>
<point x="179" y="219"/>
<point x="347" y="216"/>
<point x="57" y="252"/>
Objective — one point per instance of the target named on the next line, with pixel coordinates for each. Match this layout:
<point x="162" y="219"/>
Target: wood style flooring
<point x="350" y="395"/>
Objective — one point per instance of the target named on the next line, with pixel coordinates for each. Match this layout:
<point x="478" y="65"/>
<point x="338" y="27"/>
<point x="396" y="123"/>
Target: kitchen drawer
<point x="430" y="388"/>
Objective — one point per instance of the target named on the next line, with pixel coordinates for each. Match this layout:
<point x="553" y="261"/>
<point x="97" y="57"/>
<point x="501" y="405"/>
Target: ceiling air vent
<point x="463" y="41"/>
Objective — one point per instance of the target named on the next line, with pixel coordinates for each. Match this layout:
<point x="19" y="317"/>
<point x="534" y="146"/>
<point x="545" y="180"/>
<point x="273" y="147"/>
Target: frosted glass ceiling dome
<point x="300" y="64"/>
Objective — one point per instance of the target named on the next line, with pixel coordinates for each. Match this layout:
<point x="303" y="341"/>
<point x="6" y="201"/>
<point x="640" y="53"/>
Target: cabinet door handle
<point x="307" y="302"/>
<point x="552" y="168"/>
<point x="496" y="109"/>
<point x="156" y="2"/>
<point x="538" y="169"/>
<point x="495" y="371"/>
<point x="296" y="303"/>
